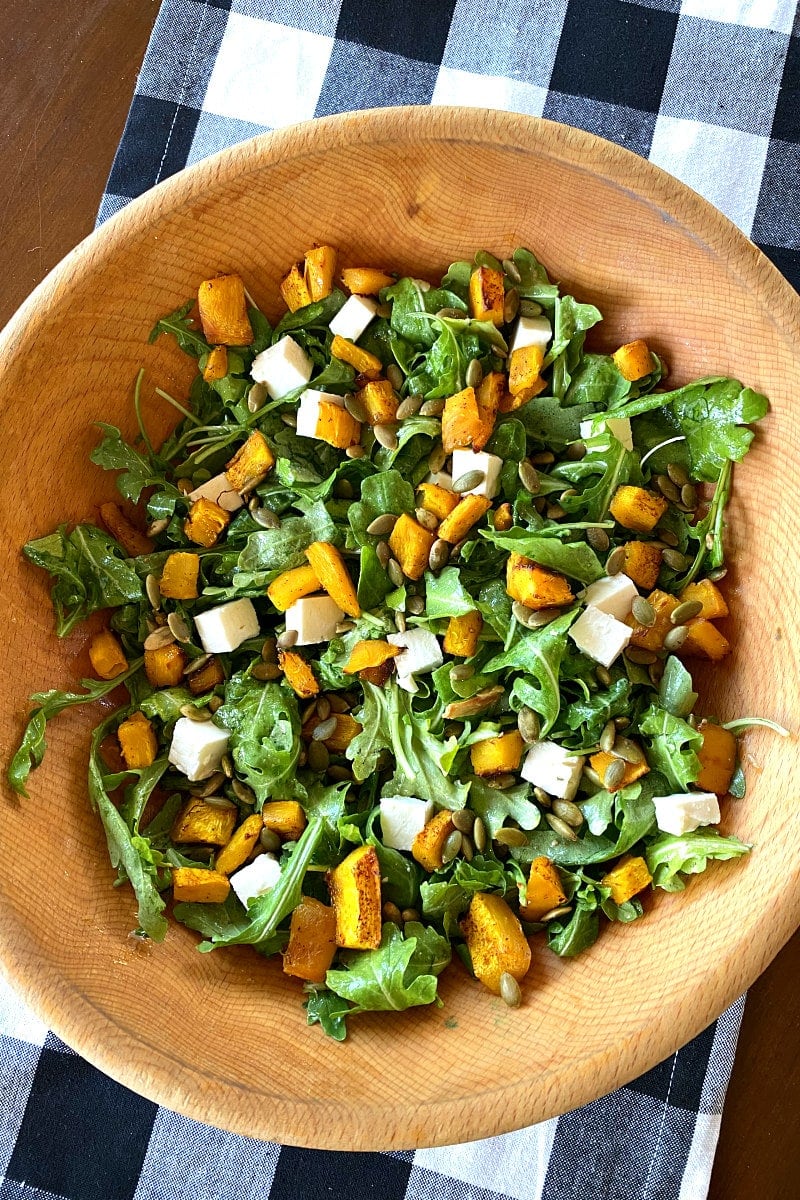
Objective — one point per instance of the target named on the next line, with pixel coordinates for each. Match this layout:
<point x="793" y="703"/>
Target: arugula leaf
<point x="495" y="807"/>
<point x="138" y="471"/>
<point x="572" y="320"/>
<point x="411" y="306"/>
<point x="537" y="653"/>
<point x="578" y="934"/>
<point x="675" y="690"/>
<point x="49" y="704"/>
<point x="534" y="283"/>
<point x="328" y="1010"/>
<point x="270" y="551"/>
<point x="265" y="736"/>
<point x="317" y="315"/>
<point x="575" y="559"/>
<point x="597" y="381"/>
<point x="445" y="595"/>
<point x="670" y="856"/>
<point x="550" y="424"/>
<point x="673" y="746"/>
<point x="593" y="713"/>
<point x="183" y="329"/>
<point x="400" y="974"/>
<point x="373" y="582"/>
<point x="634" y="818"/>
<point x="447" y="894"/>
<point x="386" y="492"/>
<point x="615" y="466"/>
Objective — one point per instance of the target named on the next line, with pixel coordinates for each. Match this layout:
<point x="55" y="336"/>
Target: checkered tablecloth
<point x="708" y="89"/>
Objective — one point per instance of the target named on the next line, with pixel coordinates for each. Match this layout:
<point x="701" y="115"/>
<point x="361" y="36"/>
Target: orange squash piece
<point x="487" y="295"/>
<point x="137" y="741"/>
<point x="251" y="464"/>
<point x="298" y="674"/>
<point x="312" y="941"/>
<point x="710" y="597"/>
<point x="717" y="758"/>
<point x="361" y="360"/>
<point x="438" y="500"/>
<point x="206" y="522"/>
<point x="106" y="655"/>
<point x="380" y="400"/>
<point x="292" y="585"/>
<point x="216" y="364"/>
<point x="534" y="586"/>
<point x="544" y="890"/>
<point x="223" y="311"/>
<point x="495" y="940"/>
<point x="642" y="563"/>
<point x="365" y="281"/>
<point x="368" y="654"/>
<point x="461" y="636"/>
<point x="164" y="666"/>
<point x="179" y="576"/>
<point x="294" y="289"/>
<point x="242" y="843"/>
<point x="320" y="268"/>
<point x="633" y="360"/>
<point x="411" y="544"/>
<point x="633" y="771"/>
<point x="457" y="525"/>
<point x="429" y="842"/>
<point x="287" y="818"/>
<point x="328" y="565"/>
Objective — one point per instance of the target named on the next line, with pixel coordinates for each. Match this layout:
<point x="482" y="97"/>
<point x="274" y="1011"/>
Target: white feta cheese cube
<point x="618" y="427"/>
<point x="402" y="818"/>
<point x="441" y="479"/>
<point x="531" y="331"/>
<point x="613" y="594"/>
<point x="220" y="491"/>
<point x="548" y="765"/>
<point x="308" y="411"/>
<point x="197" y="747"/>
<point x="421" y="653"/>
<point x="600" y="635"/>
<point x="353" y="317"/>
<point x="257" y="878"/>
<point x="479" y="460"/>
<point x="684" y="812"/>
<point x="224" y="628"/>
<point x="282" y="367"/>
<point x="313" y="619"/>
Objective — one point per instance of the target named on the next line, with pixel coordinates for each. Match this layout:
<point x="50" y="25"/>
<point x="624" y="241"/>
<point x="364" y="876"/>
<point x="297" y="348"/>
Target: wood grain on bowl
<point x="661" y="264"/>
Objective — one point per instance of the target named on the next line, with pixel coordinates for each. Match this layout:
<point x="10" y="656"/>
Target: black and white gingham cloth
<point x="708" y="89"/>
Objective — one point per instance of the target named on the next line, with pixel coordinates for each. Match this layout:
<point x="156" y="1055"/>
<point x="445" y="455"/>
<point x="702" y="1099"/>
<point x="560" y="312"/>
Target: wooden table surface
<point x="68" y="73"/>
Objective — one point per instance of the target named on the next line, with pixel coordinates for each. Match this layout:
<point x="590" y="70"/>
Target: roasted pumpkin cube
<point x="704" y="640"/>
<point x="380" y="400"/>
<point x="206" y="522"/>
<point x="633" y="360"/>
<point x="495" y="940"/>
<point x="636" y="508"/>
<point x="487" y="295"/>
<point x="205" y="678"/>
<point x="298" y="674"/>
<point x="241" y="845"/>
<point x="216" y="364"/>
<point x="652" y="637"/>
<point x="137" y="741"/>
<point x="710" y="597"/>
<point x="179" y="576"/>
<point x="320" y="268"/>
<point x="132" y="540"/>
<point x="461" y="637"/>
<point x="429" y="842"/>
<point x="457" y="525"/>
<point x="251" y="464"/>
<point x="345" y="729"/>
<point x="503" y="517"/>
<point x="292" y="585"/>
<point x="197" y="885"/>
<point x="106" y="655"/>
<point x="462" y="422"/>
<point x="164" y="667"/>
<point x="497" y="755"/>
<point x="437" y="500"/>
<point x="355" y="888"/>
<point x="544" y="890"/>
<point x="223" y="311"/>
<point x="642" y="563"/>
<point x="524" y="375"/>
<point x="203" y="821"/>
<point x="633" y="771"/>
<point x="295" y="290"/>
<point x="534" y="586"/>
<point x="336" y="426"/>
<point x="411" y="544"/>
<point x="628" y="877"/>
<point x="365" y="281"/>
<point x="489" y="395"/>
<point x="360" y="360"/>
<point x="328" y="566"/>
<point x="717" y="758"/>
<point x="368" y="654"/>
<point x="312" y="941"/>
<point x="284" y="817"/>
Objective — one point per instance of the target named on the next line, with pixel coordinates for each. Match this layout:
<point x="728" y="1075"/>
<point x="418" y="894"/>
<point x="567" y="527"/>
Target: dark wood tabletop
<point x="67" y="76"/>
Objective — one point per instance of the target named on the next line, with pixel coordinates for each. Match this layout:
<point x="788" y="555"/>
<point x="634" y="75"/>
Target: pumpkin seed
<point x="529" y="308"/>
<point x="266" y="518"/>
<point x="155" y="528"/>
<point x="395" y="376"/>
<point x="614" y="774"/>
<point x="382" y="525"/>
<point x="242" y="792"/>
<point x="628" y="751"/>
<point x="194" y="713"/>
<point x="427" y="519"/>
<point x="209" y="786"/>
<point x="355" y="451"/>
<point x="410" y="914"/>
<point x="717" y="574"/>
<point x="179" y="628"/>
<point x="479" y="835"/>
<point x="266" y="671"/>
<point x="437" y="559"/>
<point x="598" y="539"/>
<point x="256" y="397"/>
<point x="561" y="827"/>
<point x="656" y="672"/>
<point x="356" y="407"/>
<point x="289" y="419"/>
<point x="219" y="802"/>
<point x="185" y="486"/>
<point x="196" y="664"/>
<point x="622" y="722"/>
<point x="603" y="676"/>
<point x="451" y="314"/>
<point x="452" y="846"/>
<point x="529" y="477"/>
<point x="689" y="495"/>
<point x="318" y="755"/>
<point x="324" y="730"/>
<point x="409" y="407"/>
<point x="521" y="612"/>
<point x="674" y="559"/>
<point x="607" y="737"/>
<point x="512" y="270"/>
<point x="501" y="783"/>
<point x="568" y="812"/>
<point x="643" y="612"/>
<point x="543" y="458"/>
<point x="541" y="797"/>
<point x="456" y="550"/>
<point x="400" y="621"/>
<point x="468" y="481"/>
<point x="287" y="639"/>
<point x="153" y="591"/>
<point x="474" y="373"/>
<point x="345" y="626"/>
<point x="669" y="538"/>
<point x="528" y="724"/>
<point x="467" y="848"/>
<point x="159" y="638"/>
<point x="395" y="572"/>
<point x="554" y="913"/>
<point x="591" y="776"/>
<point x="270" y="841"/>
<point x="436" y="459"/>
<point x="678" y="474"/>
<point x="640" y="656"/>
<point x="686" y="611"/>
<point x="339" y="774"/>
<point x="392" y="913"/>
<point x="269" y="650"/>
<point x="460" y="709"/>
<point x="253" y="504"/>
<point x="540" y="504"/>
<point x="386" y="436"/>
<point x="384" y="554"/>
<point x="308" y="712"/>
<point x="510" y="991"/>
<point x="343" y="489"/>
<point x="464" y="819"/>
<point x="668" y="488"/>
<point x="461" y="672"/>
<point x="510" y="305"/>
<point x="226" y="762"/>
<point x="555" y="512"/>
<point x="215" y="704"/>
<point x="338" y="704"/>
<point x="416" y="605"/>
<point x="511" y="837"/>
<point x="575" y="451"/>
<point x="323" y="708"/>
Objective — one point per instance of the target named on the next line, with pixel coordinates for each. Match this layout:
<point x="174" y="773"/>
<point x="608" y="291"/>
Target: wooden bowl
<point x="221" y="1037"/>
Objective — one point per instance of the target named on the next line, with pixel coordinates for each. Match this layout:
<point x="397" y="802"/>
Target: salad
<point x="402" y="660"/>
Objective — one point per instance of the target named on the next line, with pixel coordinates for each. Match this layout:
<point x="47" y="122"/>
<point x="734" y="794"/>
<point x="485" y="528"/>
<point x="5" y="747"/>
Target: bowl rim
<point x="64" y="1010"/>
